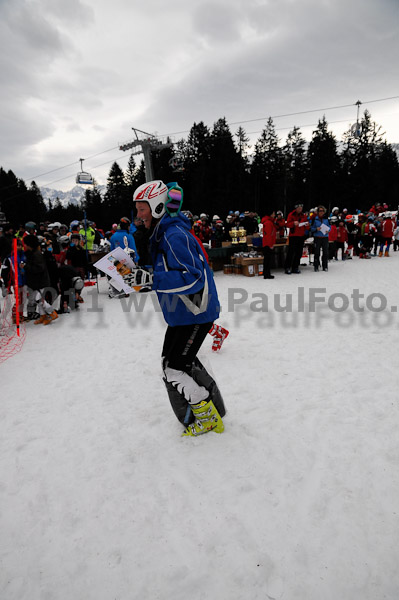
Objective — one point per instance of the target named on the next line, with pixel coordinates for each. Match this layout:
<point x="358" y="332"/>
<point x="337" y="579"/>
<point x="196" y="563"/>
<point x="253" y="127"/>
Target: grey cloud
<point x="72" y="12"/>
<point x="216" y="22"/>
<point x="304" y="67"/>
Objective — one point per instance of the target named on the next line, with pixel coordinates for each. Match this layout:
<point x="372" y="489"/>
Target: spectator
<point x="320" y="228"/>
<point x="396" y="238"/>
<point x="297" y="223"/>
<point x="332" y="239"/>
<point x="367" y="232"/>
<point x="249" y="223"/>
<point x="205" y="229"/>
<point x="37" y="280"/>
<point x="88" y="235"/>
<point x="76" y="255"/>
<point x="342" y="238"/>
<point x="269" y="239"/>
<point x="7" y="275"/>
<point x="6" y="238"/>
<point x="387" y="230"/>
<point x="280" y="224"/>
<point x="123" y="239"/>
<point x="54" y="234"/>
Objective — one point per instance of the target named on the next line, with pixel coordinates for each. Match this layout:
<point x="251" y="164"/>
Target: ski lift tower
<point x="146" y="144"/>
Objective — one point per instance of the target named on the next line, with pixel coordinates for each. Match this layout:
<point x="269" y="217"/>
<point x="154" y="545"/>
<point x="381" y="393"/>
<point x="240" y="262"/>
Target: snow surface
<point x="101" y="499"/>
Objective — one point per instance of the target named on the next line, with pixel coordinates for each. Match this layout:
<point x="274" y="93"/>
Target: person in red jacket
<point x="332" y="239"/>
<point x="269" y="239"/>
<point x="387" y="229"/>
<point x="342" y="238"/>
<point x="280" y="224"/>
<point x="376" y="209"/>
<point x="297" y="223"/>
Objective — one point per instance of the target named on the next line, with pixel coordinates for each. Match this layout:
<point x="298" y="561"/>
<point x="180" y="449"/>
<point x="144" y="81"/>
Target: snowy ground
<point x="101" y="499"/>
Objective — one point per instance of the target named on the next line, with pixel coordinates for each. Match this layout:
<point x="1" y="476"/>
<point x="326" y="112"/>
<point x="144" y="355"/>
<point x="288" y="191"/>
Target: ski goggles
<point x="174" y="200"/>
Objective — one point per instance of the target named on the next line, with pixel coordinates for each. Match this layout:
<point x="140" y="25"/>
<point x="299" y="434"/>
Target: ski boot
<point x="40" y="320"/>
<point x="48" y="318"/>
<point x="207" y="419"/>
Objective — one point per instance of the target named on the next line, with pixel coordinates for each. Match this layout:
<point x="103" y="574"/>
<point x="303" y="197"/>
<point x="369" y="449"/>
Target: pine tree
<point x="116" y="199"/>
<point x="242" y="144"/>
<point x="268" y="170"/>
<point x="224" y="171"/>
<point x="295" y="175"/>
<point x="196" y="173"/>
<point x="359" y="163"/>
<point x="386" y="175"/>
<point x="130" y="174"/>
<point x="93" y="205"/>
<point x="323" y="167"/>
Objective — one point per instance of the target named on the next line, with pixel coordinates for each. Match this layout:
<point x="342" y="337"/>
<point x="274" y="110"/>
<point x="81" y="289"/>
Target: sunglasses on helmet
<point x="174" y="200"/>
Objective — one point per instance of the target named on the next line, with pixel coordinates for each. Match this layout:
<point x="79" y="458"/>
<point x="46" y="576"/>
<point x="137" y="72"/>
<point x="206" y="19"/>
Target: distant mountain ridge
<point x="73" y="196"/>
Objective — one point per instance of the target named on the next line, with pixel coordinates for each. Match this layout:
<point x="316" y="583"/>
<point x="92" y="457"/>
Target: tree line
<point x="219" y="172"/>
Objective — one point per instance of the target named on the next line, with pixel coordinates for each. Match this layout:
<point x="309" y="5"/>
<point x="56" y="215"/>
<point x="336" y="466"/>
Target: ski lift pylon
<point x="84" y="178"/>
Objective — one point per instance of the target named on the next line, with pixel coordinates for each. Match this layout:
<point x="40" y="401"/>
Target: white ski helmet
<point x="156" y="194"/>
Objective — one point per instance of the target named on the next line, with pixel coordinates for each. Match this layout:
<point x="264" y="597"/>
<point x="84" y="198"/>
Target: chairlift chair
<point x="84" y="178"/>
<point x="177" y="164"/>
<point x="356" y="130"/>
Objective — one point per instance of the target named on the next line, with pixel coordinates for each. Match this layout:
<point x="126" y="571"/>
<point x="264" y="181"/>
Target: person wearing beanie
<point x="123" y="239"/>
<point x="37" y="280"/>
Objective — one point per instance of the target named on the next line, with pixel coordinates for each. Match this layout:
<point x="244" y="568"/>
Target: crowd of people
<point x="55" y="257"/>
<point x="338" y="235"/>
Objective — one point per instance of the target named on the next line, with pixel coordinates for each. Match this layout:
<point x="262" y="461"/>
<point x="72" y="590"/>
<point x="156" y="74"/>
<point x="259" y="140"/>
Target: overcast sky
<point x="77" y="75"/>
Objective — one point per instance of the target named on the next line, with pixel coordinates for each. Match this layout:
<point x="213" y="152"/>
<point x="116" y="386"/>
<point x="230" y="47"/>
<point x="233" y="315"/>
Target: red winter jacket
<point x="269" y="232"/>
<point x="387" y="228"/>
<point x="342" y="234"/>
<point x="332" y="234"/>
<point x="296" y="231"/>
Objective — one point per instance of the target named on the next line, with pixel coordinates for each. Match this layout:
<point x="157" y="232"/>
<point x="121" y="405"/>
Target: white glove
<point x="138" y="277"/>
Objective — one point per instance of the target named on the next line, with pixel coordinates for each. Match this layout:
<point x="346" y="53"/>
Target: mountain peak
<point x="73" y="196"/>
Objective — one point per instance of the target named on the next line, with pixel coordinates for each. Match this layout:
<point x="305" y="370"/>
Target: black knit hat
<point x="31" y="241"/>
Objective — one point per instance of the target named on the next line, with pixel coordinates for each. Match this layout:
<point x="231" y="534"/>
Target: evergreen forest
<point x="219" y="171"/>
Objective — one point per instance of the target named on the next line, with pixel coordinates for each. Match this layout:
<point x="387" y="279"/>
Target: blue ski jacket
<point x="316" y="222"/>
<point x="117" y="239"/>
<point x="183" y="279"/>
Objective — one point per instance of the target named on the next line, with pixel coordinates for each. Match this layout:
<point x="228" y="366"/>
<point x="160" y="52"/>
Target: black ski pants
<point x="182" y="343"/>
<point x="321" y="243"/>
<point x="267" y="259"/>
<point x="294" y="254"/>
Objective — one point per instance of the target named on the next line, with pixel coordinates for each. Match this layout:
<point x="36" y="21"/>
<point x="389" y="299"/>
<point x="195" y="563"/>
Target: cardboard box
<point x="251" y="266"/>
<point x="248" y="270"/>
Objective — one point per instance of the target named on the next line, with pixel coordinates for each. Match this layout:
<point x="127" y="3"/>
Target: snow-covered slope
<point x="101" y="498"/>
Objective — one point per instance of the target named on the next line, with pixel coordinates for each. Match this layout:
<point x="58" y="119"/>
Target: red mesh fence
<point x="10" y="341"/>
